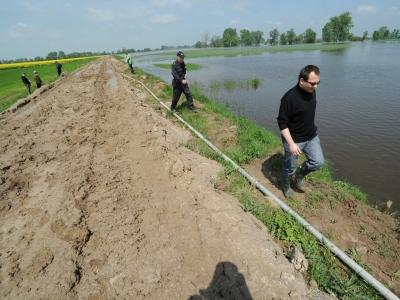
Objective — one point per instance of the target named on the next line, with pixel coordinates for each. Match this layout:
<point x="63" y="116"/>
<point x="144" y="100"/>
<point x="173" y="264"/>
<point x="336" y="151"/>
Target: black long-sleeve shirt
<point x="178" y="71"/>
<point x="297" y="112"/>
<point x="25" y="80"/>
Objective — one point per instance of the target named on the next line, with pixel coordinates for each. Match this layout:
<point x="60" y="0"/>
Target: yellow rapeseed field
<point x="41" y="63"/>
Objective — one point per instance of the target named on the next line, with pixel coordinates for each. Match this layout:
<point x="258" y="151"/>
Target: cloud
<point x="173" y="3"/>
<point x="238" y="7"/>
<point x="99" y="15"/>
<point x="165" y="18"/>
<point x="22" y="25"/>
<point x="147" y="28"/>
<point x="277" y="23"/>
<point x="394" y="11"/>
<point x="366" y="9"/>
<point x="235" y="22"/>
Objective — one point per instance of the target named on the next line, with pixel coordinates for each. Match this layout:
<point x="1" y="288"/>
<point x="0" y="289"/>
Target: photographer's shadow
<point x="227" y="283"/>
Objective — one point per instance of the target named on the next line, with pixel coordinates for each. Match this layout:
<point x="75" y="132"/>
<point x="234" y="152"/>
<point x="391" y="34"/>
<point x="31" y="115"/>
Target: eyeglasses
<point x="313" y="83"/>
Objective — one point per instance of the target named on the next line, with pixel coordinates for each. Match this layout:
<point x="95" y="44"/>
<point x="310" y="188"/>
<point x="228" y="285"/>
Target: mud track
<point x="100" y="200"/>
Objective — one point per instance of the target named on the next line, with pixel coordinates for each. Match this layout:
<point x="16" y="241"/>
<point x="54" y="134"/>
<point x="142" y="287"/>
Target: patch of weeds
<point x="393" y="275"/>
<point x="316" y="196"/>
<point x="328" y="234"/>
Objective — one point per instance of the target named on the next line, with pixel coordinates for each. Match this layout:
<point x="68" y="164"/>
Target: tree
<point x="338" y="28"/>
<point x="299" y="39"/>
<point x="381" y="34"/>
<point x="283" y="39"/>
<point x="61" y="55"/>
<point x="327" y="33"/>
<point x="205" y="38"/>
<point x="198" y="45"/>
<point x="290" y="36"/>
<point x="51" y="56"/>
<point x="230" y="38"/>
<point x="274" y="34"/>
<point x="310" y="36"/>
<point x="365" y="35"/>
<point x="216" y="41"/>
<point x="245" y="37"/>
<point x="257" y="37"/>
<point x="395" y="34"/>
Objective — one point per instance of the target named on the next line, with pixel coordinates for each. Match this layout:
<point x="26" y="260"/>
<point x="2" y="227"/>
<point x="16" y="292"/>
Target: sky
<point x="35" y="28"/>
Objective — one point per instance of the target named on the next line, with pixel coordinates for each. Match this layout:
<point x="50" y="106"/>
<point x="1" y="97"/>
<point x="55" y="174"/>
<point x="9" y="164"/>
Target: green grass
<point x="230" y="85"/>
<point x="12" y="89"/>
<point x="189" y="67"/>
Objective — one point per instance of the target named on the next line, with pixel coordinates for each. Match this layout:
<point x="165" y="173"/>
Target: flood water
<point x="358" y="104"/>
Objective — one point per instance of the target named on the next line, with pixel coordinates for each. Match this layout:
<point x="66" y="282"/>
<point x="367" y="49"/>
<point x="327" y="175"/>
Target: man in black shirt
<point x="58" y="67"/>
<point x="179" y="83"/>
<point x="299" y="133"/>
<point x="27" y="82"/>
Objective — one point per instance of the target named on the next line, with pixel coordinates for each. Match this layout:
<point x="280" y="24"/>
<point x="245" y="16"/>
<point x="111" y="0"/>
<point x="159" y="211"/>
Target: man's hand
<point x="184" y="81"/>
<point x="295" y="150"/>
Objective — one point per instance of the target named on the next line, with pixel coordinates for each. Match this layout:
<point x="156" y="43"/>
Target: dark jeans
<point x="59" y="72"/>
<point x="313" y="151"/>
<point x="131" y="68"/>
<point x="28" y="87"/>
<point x="178" y="90"/>
<point x="38" y="85"/>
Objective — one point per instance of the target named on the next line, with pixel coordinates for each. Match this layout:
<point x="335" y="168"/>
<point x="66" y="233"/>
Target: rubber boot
<point x="301" y="172"/>
<point x="287" y="191"/>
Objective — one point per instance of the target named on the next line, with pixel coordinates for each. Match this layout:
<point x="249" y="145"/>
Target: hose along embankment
<point x="339" y="253"/>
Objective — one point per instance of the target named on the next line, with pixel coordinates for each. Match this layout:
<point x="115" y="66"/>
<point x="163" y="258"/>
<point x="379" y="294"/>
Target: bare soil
<point x="100" y="200"/>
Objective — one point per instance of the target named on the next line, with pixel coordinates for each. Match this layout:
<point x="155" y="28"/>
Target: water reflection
<point x="112" y="81"/>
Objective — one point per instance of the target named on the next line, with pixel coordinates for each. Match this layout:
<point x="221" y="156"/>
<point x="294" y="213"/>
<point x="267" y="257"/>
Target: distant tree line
<point x="384" y="33"/>
<point x="337" y="30"/>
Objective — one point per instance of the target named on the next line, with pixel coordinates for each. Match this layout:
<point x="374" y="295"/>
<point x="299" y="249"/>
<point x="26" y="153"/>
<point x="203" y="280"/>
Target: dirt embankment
<point x="99" y="200"/>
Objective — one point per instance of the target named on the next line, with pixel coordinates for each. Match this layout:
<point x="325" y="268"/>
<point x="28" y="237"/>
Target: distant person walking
<point x="129" y="61"/>
<point x="299" y="133"/>
<point x="58" y="67"/>
<point x="37" y="79"/>
<point x="27" y="82"/>
<point x="179" y="83"/>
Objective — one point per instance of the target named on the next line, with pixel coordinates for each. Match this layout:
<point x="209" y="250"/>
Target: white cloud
<point x="277" y="23"/>
<point x="99" y="14"/>
<point x="367" y="9"/>
<point x="173" y="3"/>
<point x="238" y="7"/>
<point x="394" y="11"/>
<point x="22" y="25"/>
<point x="147" y="28"/>
<point x="235" y="22"/>
<point x="165" y="18"/>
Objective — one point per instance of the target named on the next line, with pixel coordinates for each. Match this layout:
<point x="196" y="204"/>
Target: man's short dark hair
<point x="305" y="72"/>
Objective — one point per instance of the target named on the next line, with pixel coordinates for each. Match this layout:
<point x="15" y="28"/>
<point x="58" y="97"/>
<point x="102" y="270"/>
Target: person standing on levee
<point x="180" y="84"/>
<point x="299" y="133"/>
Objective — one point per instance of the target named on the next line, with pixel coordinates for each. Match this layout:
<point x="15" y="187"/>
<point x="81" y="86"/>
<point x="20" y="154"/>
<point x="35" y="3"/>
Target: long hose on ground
<point x="339" y="253"/>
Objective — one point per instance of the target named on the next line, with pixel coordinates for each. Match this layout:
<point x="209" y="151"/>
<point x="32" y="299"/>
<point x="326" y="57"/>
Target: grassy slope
<point x="12" y="89"/>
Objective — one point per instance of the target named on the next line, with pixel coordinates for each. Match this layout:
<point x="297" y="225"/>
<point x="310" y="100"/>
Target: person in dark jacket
<point x="27" y="82"/>
<point x="37" y="79"/>
<point x="58" y="67"/>
<point x="179" y="83"/>
<point x="299" y="133"/>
